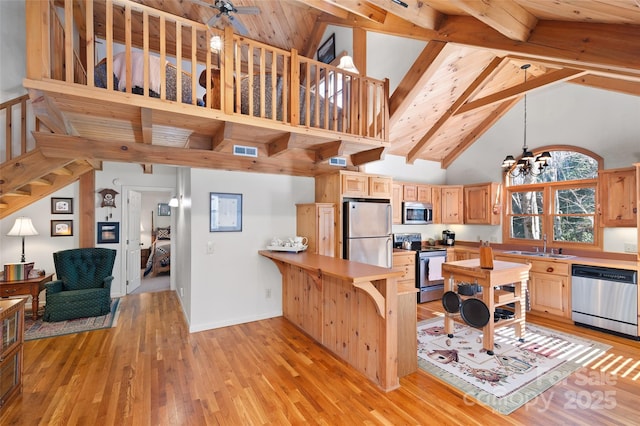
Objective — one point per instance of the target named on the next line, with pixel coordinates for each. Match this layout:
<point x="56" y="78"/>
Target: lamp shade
<point x="22" y="227"/>
<point x="346" y="63"/>
<point x="173" y="202"/>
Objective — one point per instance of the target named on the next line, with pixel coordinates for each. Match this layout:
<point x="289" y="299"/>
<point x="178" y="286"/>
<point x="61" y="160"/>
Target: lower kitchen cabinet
<point x="317" y="221"/>
<point x="549" y="282"/>
<point x="405" y="261"/>
<point x="549" y="288"/>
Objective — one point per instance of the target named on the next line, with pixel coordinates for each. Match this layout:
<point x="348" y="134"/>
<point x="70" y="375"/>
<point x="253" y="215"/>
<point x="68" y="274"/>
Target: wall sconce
<point x="173" y="202"/>
<point x="23" y="228"/>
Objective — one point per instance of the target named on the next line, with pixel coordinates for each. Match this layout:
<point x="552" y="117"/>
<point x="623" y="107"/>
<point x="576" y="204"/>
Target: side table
<point x="31" y="287"/>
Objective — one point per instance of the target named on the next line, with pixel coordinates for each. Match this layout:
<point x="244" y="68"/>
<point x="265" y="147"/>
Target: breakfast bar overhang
<point x="348" y="307"/>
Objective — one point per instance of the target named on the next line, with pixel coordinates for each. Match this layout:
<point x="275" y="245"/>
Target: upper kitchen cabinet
<point x="451" y="197"/>
<point x="617" y="197"/>
<point x="417" y="192"/>
<point x="479" y="203"/>
<point x="352" y="184"/>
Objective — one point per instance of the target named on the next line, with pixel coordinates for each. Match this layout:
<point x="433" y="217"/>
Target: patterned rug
<point x="39" y="329"/>
<point x="515" y="374"/>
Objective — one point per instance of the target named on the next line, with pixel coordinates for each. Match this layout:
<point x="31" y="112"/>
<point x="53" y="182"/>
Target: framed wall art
<point x="327" y="50"/>
<point x="108" y="232"/>
<point x="225" y="212"/>
<point x="61" y="228"/>
<point x="61" y="205"/>
<point x="164" y="209"/>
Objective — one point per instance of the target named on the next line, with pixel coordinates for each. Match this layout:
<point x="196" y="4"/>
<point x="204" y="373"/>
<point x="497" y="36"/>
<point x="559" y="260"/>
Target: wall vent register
<point x="245" y="151"/>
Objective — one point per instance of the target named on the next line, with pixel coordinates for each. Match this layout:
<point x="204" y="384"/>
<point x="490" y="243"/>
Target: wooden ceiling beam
<point x="364" y="9"/>
<point x="56" y="146"/>
<point x="416" y="12"/>
<point x="327" y="7"/>
<point x="146" y="122"/>
<point x="608" y="83"/>
<point x="49" y="114"/>
<point x="365" y="157"/>
<point x="422" y="70"/>
<point x="516" y="91"/>
<point x="423" y="143"/>
<point x="328" y="150"/>
<point x="473" y="135"/>
<point x="280" y="144"/>
<point x="609" y="47"/>
<point x="505" y="16"/>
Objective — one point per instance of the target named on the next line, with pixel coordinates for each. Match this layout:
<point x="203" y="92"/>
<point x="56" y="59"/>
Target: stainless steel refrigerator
<point x="367" y="233"/>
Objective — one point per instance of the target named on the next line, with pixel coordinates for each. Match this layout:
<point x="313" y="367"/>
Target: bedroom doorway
<point x="152" y="229"/>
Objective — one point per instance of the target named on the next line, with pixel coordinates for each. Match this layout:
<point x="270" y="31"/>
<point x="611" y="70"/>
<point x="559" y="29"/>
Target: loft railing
<point x="156" y="50"/>
<point x="17" y="120"/>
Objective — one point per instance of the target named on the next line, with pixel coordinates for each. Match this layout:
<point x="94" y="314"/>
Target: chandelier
<point x="528" y="164"/>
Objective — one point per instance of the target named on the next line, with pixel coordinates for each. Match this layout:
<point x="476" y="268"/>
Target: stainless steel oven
<point x="429" y="277"/>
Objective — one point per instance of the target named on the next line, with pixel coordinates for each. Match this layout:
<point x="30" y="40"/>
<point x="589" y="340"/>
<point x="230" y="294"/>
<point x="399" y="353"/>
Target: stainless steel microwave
<point x="417" y="213"/>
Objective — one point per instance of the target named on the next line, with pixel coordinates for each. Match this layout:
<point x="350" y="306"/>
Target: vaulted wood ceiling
<point x="469" y="73"/>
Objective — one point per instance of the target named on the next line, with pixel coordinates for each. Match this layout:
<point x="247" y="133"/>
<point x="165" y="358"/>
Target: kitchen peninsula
<point x="348" y="307"/>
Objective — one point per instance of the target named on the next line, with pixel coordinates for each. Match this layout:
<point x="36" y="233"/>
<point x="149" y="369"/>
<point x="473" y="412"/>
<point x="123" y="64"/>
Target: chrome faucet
<point x="544" y="243"/>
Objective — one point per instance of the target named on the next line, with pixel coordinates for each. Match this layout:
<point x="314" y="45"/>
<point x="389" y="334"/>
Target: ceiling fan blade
<point x="242" y="30"/>
<point x="214" y="20"/>
<point x="248" y="10"/>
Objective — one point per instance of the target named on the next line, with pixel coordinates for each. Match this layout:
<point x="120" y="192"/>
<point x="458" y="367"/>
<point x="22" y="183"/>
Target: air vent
<point x="245" y="151"/>
<point x="337" y="161"/>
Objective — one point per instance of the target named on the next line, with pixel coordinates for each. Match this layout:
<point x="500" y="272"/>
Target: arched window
<point x="556" y="207"/>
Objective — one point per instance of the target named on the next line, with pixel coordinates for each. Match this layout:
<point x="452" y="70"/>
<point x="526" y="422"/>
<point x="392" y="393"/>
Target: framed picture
<point x="225" y="212"/>
<point x="61" y="228"/>
<point x="61" y="205"/>
<point x="327" y="50"/>
<point x="164" y="209"/>
<point x="108" y="232"/>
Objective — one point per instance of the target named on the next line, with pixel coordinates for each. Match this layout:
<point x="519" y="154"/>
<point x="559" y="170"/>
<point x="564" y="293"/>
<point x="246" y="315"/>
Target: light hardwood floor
<point x="150" y="371"/>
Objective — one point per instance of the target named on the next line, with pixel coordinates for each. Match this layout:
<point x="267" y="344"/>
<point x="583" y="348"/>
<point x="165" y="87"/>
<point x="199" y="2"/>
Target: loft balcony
<point x="108" y="92"/>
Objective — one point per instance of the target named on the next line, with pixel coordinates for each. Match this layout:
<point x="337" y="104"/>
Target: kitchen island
<point x="350" y="308"/>
<point x="502" y="273"/>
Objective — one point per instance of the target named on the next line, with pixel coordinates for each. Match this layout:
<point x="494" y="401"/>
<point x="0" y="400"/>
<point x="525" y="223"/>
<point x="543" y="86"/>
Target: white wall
<point x="229" y="286"/>
<point x="40" y="248"/>
<point x="125" y="176"/>
<point x="12" y="48"/>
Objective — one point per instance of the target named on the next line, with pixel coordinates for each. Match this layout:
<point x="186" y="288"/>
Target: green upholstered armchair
<point x="83" y="285"/>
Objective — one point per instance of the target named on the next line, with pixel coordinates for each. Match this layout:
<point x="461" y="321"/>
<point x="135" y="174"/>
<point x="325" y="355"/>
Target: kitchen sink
<point x="540" y="254"/>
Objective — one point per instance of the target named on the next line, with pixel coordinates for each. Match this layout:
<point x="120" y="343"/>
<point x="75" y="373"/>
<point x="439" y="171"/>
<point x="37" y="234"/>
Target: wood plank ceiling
<point x="469" y="74"/>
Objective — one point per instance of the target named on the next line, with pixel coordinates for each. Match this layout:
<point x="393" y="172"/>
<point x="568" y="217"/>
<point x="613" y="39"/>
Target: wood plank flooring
<point x="149" y="370"/>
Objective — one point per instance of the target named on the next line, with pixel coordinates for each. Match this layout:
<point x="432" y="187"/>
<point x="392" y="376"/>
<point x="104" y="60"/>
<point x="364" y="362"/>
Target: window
<point x="558" y="205"/>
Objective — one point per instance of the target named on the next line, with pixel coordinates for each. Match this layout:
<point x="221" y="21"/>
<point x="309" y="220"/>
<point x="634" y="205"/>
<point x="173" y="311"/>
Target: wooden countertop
<point x="354" y="272"/>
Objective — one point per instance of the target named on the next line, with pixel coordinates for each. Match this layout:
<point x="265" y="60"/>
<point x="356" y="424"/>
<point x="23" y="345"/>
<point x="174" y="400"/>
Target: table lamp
<point x="22" y="228"/>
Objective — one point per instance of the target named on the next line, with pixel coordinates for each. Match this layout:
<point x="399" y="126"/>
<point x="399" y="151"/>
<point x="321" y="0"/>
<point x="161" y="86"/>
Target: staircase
<point x="26" y="175"/>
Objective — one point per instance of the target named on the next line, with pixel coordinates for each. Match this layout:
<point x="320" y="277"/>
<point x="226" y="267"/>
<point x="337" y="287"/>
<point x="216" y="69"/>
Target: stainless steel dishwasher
<point x="605" y="298"/>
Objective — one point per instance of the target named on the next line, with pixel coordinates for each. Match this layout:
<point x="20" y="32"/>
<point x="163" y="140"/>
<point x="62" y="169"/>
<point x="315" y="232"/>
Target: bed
<point x="137" y="66"/>
<point x="245" y="95"/>
<point x="160" y="253"/>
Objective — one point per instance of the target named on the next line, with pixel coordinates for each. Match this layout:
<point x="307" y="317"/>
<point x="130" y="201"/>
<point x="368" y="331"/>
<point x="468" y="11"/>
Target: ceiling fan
<point x="227" y="9"/>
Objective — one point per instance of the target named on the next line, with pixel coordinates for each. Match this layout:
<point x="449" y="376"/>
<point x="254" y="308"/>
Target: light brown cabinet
<point x="479" y="202"/>
<point x="617" y="197"/>
<point x="316" y="221"/>
<point x="549" y="288"/>
<point x="335" y="187"/>
<point x="12" y="339"/>
<point x="549" y="282"/>
<point x="354" y="184"/>
<point x="406" y="263"/>
<point x="451" y="205"/>
<point x="396" y="203"/>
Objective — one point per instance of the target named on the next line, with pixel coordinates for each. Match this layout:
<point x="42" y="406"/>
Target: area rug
<point x="515" y="374"/>
<point x="38" y="329"/>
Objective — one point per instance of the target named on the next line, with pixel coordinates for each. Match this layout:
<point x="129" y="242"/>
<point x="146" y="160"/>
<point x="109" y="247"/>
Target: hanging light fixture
<point x="528" y="163"/>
